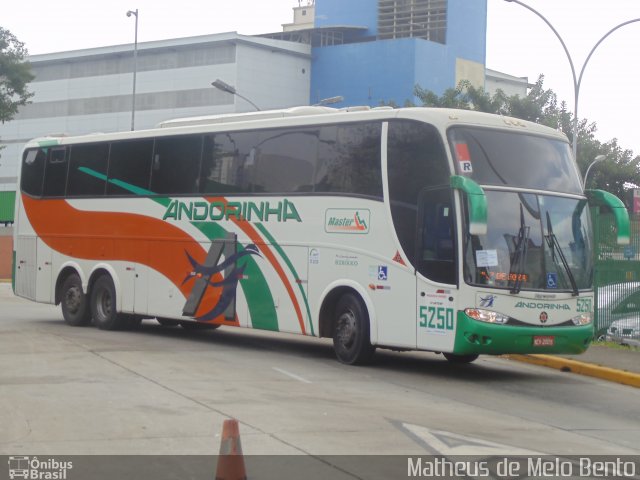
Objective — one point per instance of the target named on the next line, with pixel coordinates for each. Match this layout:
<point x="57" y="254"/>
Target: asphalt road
<point x="158" y="390"/>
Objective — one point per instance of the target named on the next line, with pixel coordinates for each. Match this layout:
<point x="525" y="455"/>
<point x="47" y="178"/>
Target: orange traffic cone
<point x="230" y="460"/>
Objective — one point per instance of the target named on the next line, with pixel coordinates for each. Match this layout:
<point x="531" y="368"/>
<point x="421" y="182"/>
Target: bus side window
<point x="129" y="166"/>
<point x="436" y="248"/>
<point x="417" y="162"/>
<point x="88" y="170"/>
<point x="32" y="175"/>
<point x="55" y="173"/>
<point x="223" y="163"/>
<point x="176" y="164"/>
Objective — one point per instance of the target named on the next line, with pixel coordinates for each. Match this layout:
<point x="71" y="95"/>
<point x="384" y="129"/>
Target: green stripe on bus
<point x="284" y="256"/>
<point x="114" y="181"/>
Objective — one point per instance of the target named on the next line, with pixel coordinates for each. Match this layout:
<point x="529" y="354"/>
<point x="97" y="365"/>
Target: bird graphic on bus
<point x="229" y="284"/>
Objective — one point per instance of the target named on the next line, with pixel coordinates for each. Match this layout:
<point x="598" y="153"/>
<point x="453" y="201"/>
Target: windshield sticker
<point x="487" y="258"/>
<point x="504" y="277"/>
<point x="464" y="157"/>
<point x="552" y="280"/>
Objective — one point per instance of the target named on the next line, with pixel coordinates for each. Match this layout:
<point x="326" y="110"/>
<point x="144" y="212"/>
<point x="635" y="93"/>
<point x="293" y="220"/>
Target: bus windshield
<point x="492" y="157"/>
<point x="533" y="241"/>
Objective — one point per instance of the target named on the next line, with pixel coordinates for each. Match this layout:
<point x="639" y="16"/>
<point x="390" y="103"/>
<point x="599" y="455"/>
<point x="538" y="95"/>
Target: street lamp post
<point x="135" y="69"/>
<point x="577" y="80"/>
<point x="225" y="87"/>
<point x="329" y="101"/>
<point x="599" y="158"/>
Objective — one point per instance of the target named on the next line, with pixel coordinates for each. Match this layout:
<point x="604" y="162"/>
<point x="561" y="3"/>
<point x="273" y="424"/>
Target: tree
<point x="15" y="74"/>
<point x="541" y="106"/>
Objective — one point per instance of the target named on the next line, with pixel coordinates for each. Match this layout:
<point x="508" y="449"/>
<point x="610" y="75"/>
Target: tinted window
<point x="176" y="164"/>
<point x="283" y="161"/>
<point x="492" y="157"/>
<point x="55" y="172"/>
<point x="349" y="159"/>
<point x="223" y="162"/>
<point x="32" y="173"/>
<point x="334" y="159"/>
<point x="436" y="255"/>
<point x="130" y="167"/>
<point x="88" y="170"/>
<point x="416" y="160"/>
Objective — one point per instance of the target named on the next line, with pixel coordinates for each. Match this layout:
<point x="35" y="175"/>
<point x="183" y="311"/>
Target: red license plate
<point x="544" y="341"/>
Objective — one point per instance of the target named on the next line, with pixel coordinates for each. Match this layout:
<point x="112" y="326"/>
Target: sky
<point x="518" y="42"/>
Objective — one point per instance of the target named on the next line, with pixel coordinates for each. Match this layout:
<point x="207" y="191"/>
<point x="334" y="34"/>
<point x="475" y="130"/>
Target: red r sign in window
<point x="464" y="157"/>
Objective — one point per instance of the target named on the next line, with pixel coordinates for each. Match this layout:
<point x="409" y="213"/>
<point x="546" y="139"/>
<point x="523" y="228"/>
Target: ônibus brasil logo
<point x="344" y="220"/>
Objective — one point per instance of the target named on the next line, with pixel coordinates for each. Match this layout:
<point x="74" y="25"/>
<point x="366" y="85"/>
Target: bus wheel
<point x="351" y="331"/>
<point x="103" y="305"/>
<point x="74" y="303"/>
<point x="453" y="358"/>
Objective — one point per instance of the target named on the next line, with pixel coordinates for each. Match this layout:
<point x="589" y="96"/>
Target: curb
<point x="581" y="368"/>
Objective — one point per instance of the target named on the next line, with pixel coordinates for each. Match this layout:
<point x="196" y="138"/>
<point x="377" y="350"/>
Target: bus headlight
<point x="582" y="319"/>
<point x="486" y="316"/>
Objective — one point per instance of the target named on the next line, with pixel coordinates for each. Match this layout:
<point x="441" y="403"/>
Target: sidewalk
<point x="607" y="363"/>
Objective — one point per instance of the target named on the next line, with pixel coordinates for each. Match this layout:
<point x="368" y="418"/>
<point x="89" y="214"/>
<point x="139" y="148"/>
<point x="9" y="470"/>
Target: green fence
<point x="7" y="204"/>
<point x="617" y="280"/>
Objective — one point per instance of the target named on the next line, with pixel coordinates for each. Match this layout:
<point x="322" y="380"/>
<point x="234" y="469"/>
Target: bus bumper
<point x="474" y="337"/>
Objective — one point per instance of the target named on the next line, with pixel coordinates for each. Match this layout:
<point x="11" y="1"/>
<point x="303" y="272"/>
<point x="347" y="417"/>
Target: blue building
<point x="373" y="51"/>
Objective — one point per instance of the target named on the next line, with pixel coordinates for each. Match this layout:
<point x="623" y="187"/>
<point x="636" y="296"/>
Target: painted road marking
<point x="292" y="375"/>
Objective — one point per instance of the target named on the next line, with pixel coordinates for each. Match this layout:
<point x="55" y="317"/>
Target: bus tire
<point x="453" y="358"/>
<point x="351" y="331"/>
<point x="103" y="305"/>
<point x="74" y="303"/>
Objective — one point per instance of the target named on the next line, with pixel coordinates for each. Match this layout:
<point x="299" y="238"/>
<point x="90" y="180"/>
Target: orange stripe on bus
<point x="115" y="236"/>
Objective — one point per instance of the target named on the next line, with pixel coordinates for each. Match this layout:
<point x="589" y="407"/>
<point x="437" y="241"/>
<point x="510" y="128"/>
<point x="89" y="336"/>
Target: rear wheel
<point x="74" y="303"/>
<point x="103" y="305"/>
<point x="453" y="358"/>
<point x="351" y="331"/>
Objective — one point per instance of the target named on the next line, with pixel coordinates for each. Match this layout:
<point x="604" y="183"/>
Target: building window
<point x="425" y="19"/>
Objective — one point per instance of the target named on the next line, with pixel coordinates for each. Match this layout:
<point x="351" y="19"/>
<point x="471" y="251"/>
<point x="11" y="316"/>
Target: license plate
<point x="544" y="341"/>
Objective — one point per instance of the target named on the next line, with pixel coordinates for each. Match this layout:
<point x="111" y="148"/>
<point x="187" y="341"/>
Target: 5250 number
<point x="437" y="318"/>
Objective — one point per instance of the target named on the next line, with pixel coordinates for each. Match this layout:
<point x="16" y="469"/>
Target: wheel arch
<point x="329" y="299"/>
<point x="106" y="269"/>
<point x="66" y="269"/>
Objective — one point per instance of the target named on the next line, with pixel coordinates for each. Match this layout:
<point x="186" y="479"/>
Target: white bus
<point x="420" y="229"/>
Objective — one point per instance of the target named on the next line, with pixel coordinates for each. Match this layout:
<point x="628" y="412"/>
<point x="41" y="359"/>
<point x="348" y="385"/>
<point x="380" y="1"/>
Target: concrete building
<point x="87" y="91"/>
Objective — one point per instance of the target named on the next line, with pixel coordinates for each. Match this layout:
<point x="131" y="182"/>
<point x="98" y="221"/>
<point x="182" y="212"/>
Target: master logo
<point x="346" y="220"/>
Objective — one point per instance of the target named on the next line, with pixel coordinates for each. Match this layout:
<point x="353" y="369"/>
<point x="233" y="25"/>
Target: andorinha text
<point x="242" y="211"/>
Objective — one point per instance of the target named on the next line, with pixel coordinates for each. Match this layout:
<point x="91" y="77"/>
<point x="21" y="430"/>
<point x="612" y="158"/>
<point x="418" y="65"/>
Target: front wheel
<point x="453" y="358"/>
<point x="74" y="303"/>
<point x="351" y="331"/>
<point x="103" y="305"/>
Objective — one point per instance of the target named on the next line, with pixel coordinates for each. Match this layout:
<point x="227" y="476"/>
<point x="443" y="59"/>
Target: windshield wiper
<point x="519" y="257"/>
<point x="554" y="245"/>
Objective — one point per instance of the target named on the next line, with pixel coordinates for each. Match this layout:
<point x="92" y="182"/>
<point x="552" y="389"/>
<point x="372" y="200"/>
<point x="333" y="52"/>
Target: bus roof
<point x="310" y="115"/>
